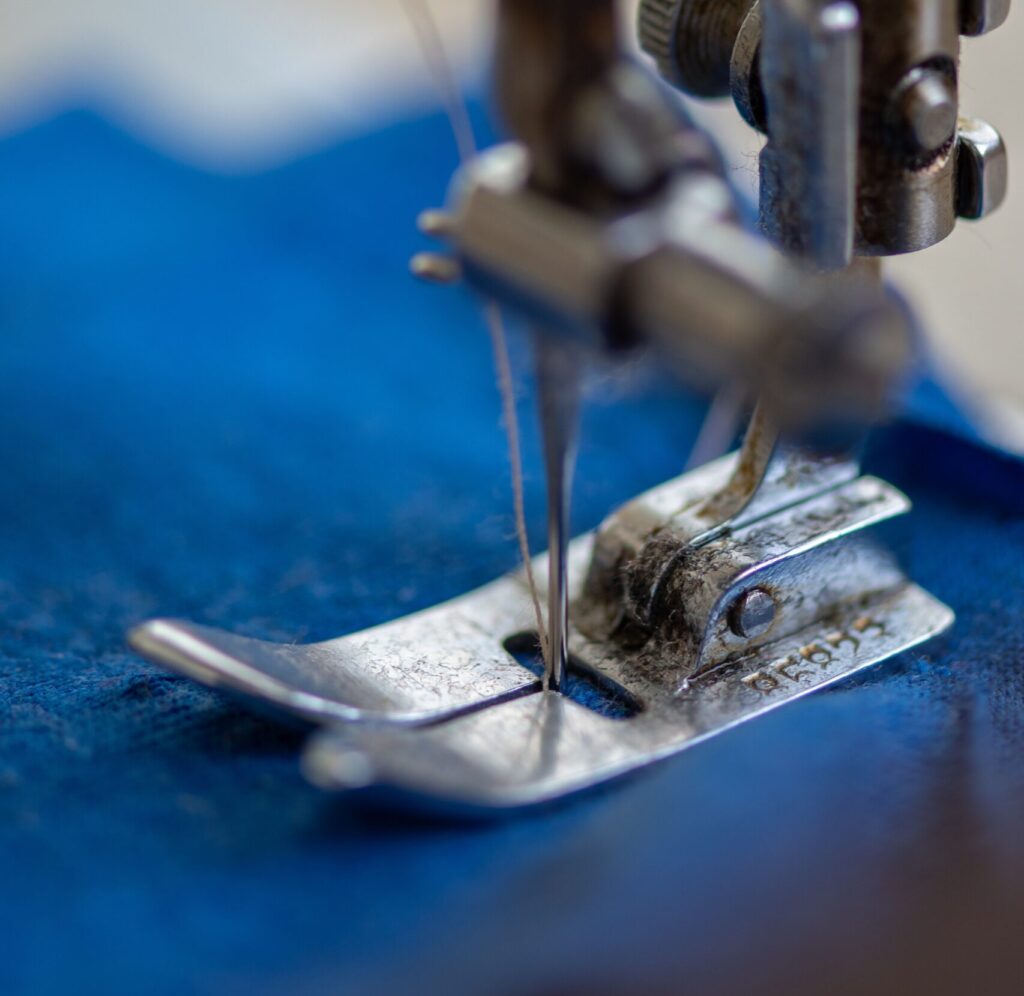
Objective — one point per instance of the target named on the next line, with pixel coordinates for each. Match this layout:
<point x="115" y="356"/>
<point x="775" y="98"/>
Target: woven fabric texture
<point x="221" y="398"/>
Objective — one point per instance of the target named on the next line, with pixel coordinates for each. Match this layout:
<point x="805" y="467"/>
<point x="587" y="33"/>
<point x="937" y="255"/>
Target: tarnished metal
<point x="745" y="70"/>
<point x="906" y="197"/>
<point x="478" y="729"/>
<point x="684" y="591"/>
<point x="681" y="275"/>
<point x="542" y="747"/>
<point x="692" y="40"/>
<point x="791" y="77"/>
<point x="810" y="75"/>
<point x="599" y="139"/>
<point x="422" y="669"/>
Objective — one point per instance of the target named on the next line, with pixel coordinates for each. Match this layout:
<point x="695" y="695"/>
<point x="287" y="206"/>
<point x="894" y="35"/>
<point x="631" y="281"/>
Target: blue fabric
<point x="222" y="398"/>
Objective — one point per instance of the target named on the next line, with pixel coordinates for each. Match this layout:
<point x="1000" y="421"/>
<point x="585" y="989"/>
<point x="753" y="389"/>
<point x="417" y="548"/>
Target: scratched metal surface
<point x="538" y="747"/>
<point x="503" y="744"/>
<point x="222" y="400"/>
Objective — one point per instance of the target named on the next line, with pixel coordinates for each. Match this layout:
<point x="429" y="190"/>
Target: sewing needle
<point x="558" y="381"/>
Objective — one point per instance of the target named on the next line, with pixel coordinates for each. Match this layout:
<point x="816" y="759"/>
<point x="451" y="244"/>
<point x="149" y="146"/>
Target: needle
<point x="558" y="379"/>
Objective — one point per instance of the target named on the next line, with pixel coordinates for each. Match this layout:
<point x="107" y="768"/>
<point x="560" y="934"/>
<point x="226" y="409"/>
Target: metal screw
<point x="752" y="614"/>
<point x="692" y="41"/>
<point x="982" y="171"/>
<point x="928" y="104"/>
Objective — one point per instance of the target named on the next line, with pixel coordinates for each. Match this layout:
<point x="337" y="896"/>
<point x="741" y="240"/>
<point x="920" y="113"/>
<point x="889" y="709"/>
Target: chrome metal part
<point x="906" y="196"/>
<point x="752" y="614"/>
<point x="811" y="81"/>
<point x="692" y="40"/>
<point x="755" y="579"/>
<point x="434" y="223"/>
<point x="422" y="669"/>
<point x="558" y="386"/>
<point x="719" y="303"/>
<point x="979" y="17"/>
<point x="542" y="747"/>
<point x="982" y="169"/>
<point x="745" y="70"/>
<point x="927" y="107"/>
<point x="901" y="105"/>
<point x="678" y="584"/>
<point x="436" y="704"/>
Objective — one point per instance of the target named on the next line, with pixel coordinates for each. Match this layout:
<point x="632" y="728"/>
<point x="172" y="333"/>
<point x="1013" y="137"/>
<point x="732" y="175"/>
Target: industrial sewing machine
<point x="609" y="227"/>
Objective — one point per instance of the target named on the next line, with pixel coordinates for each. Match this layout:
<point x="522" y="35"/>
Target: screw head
<point x="982" y="171"/>
<point x="752" y="614"/>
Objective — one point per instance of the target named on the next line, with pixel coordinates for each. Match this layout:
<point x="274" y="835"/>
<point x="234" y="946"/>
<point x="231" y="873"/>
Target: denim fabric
<point x="222" y="398"/>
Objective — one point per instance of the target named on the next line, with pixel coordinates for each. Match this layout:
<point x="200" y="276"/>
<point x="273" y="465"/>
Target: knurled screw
<point x="692" y="41"/>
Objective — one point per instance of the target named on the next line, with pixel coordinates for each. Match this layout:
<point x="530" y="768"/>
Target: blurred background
<point x="244" y="85"/>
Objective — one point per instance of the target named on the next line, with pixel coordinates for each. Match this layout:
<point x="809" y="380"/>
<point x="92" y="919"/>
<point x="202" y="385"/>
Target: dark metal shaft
<point x="558" y="382"/>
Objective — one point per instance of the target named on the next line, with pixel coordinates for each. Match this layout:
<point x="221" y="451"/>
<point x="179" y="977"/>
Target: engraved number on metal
<point x="792" y="669"/>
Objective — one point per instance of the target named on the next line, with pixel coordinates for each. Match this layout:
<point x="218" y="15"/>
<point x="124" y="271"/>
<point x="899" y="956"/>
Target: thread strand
<point x="432" y="48"/>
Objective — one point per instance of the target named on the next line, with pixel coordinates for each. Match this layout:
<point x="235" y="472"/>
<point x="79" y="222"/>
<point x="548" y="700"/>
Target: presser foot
<point x="446" y="705"/>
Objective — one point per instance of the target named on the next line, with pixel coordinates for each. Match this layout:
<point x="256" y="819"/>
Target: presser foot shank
<point x="446" y="705"/>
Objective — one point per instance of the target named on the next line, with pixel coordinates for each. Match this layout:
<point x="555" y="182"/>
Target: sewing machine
<point x="608" y="226"/>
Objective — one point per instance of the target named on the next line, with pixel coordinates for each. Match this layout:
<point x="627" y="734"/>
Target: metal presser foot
<point x="609" y="224"/>
<point x="684" y="624"/>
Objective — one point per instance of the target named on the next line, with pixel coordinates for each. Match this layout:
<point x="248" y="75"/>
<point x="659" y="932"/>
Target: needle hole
<point x="584" y="685"/>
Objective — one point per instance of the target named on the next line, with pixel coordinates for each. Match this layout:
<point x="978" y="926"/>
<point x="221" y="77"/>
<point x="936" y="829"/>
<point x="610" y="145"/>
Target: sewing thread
<point x="424" y="24"/>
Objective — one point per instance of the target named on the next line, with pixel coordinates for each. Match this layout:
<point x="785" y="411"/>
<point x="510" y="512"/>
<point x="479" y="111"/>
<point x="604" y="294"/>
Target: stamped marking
<point x="813" y="658"/>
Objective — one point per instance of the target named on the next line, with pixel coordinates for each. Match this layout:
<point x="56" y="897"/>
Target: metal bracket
<point x="445" y="704"/>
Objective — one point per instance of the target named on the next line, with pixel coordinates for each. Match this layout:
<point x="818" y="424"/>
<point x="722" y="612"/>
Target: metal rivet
<point x="928" y="103"/>
<point x="752" y="614"/>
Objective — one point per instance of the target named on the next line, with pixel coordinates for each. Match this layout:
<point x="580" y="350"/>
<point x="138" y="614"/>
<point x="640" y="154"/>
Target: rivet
<point x="752" y="614"/>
